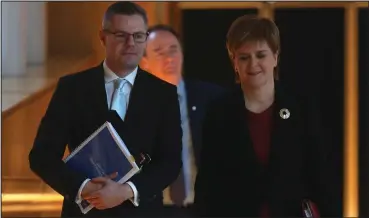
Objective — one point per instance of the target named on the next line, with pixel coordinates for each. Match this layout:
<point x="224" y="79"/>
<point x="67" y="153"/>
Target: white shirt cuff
<point x="134" y="200"/>
<point x="79" y="197"/>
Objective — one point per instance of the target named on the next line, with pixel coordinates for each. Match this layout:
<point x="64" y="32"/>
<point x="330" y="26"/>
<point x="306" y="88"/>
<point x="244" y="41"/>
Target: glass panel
<point x="204" y="38"/>
<point x="364" y="110"/>
<point x="312" y="63"/>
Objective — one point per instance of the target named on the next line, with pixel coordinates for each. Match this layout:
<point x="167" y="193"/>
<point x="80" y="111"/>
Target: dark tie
<point x="177" y="190"/>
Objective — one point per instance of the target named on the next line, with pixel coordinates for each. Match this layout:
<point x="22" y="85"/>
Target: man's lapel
<point x="137" y="114"/>
<point x="193" y="105"/>
<point x="138" y="99"/>
<point x="96" y="94"/>
<point x="191" y="100"/>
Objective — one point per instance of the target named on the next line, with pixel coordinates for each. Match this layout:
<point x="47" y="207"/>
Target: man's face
<point x="163" y="54"/>
<point x="125" y="40"/>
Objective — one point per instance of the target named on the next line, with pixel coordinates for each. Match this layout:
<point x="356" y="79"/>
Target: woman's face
<point x="254" y="63"/>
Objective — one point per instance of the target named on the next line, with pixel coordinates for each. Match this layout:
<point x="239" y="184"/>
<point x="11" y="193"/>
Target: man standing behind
<point x="143" y="109"/>
<point x="163" y="58"/>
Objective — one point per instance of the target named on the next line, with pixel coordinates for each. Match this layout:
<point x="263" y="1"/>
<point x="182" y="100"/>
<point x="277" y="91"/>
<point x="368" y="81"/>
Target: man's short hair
<point x="163" y="27"/>
<point x="123" y="8"/>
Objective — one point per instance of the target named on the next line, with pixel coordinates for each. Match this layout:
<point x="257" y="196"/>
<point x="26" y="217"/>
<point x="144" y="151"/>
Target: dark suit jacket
<point x="230" y="181"/>
<point x="79" y="106"/>
<point x="200" y="94"/>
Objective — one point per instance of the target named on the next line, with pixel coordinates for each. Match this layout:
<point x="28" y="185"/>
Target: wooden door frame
<point x="265" y="9"/>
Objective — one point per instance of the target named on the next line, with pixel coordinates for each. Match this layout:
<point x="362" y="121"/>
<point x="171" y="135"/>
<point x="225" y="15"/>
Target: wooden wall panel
<point x="19" y="128"/>
<point x="18" y="132"/>
<point x="73" y="26"/>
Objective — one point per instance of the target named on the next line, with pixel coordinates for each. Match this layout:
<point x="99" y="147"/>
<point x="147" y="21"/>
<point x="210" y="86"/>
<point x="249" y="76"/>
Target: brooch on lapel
<point x="193" y="108"/>
<point x="284" y="113"/>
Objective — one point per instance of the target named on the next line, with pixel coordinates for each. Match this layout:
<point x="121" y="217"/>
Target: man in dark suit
<point x="83" y="101"/>
<point x="163" y="58"/>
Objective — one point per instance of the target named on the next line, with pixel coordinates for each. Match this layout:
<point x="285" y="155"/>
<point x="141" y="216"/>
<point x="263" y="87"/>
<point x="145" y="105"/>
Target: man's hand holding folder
<point x="109" y="194"/>
<point x="93" y="185"/>
<point x="101" y="153"/>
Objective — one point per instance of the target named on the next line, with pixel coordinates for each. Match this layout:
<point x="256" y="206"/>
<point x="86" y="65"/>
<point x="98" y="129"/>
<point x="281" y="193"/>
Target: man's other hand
<point x="93" y="186"/>
<point x="111" y="195"/>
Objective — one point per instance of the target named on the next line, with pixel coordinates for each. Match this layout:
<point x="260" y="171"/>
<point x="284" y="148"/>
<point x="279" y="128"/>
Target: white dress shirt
<point x="110" y="77"/>
<point x="188" y="158"/>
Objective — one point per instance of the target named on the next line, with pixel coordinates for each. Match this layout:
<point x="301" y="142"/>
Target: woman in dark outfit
<point x="262" y="154"/>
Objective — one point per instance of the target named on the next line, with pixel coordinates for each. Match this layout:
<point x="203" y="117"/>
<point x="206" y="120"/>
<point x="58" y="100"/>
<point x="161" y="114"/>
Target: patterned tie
<point x="177" y="189"/>
<point x="119" y="101"/>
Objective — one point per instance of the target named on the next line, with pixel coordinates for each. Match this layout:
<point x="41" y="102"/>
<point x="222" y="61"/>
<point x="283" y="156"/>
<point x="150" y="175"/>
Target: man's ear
<point x="102" y="38"/>
<point x="144" y="64"/>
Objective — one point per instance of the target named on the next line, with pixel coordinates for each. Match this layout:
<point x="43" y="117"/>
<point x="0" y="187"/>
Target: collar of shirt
<point x="110" y="76"/>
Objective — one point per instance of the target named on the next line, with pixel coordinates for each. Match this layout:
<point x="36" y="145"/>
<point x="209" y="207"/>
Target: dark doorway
<point x="312" y="63"/>
<point x="204" y="38"/>
<point x="364" y="111"/>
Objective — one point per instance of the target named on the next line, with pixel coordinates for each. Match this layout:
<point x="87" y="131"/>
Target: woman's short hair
<point x="252" y="28"/>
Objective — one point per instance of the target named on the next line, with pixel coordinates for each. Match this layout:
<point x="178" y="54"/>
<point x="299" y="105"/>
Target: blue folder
<point x="101" y="154"/>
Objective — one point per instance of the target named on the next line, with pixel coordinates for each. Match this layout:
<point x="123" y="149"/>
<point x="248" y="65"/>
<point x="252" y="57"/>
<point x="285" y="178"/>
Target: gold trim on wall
<point x="175" y="17"/>
<point x="260" y="5"/>
<point x="266" y="11"/>
<point x="219" y="5"/>
<point x="350" y="197"/>
<point x="310" y="4"/>
<point x="162" y="12"/>
<point x="362" y="4"/>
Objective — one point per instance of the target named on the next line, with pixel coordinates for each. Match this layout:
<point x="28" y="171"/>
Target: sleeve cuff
<point x="134" y="200"/>
<point x="79" y="197"/>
